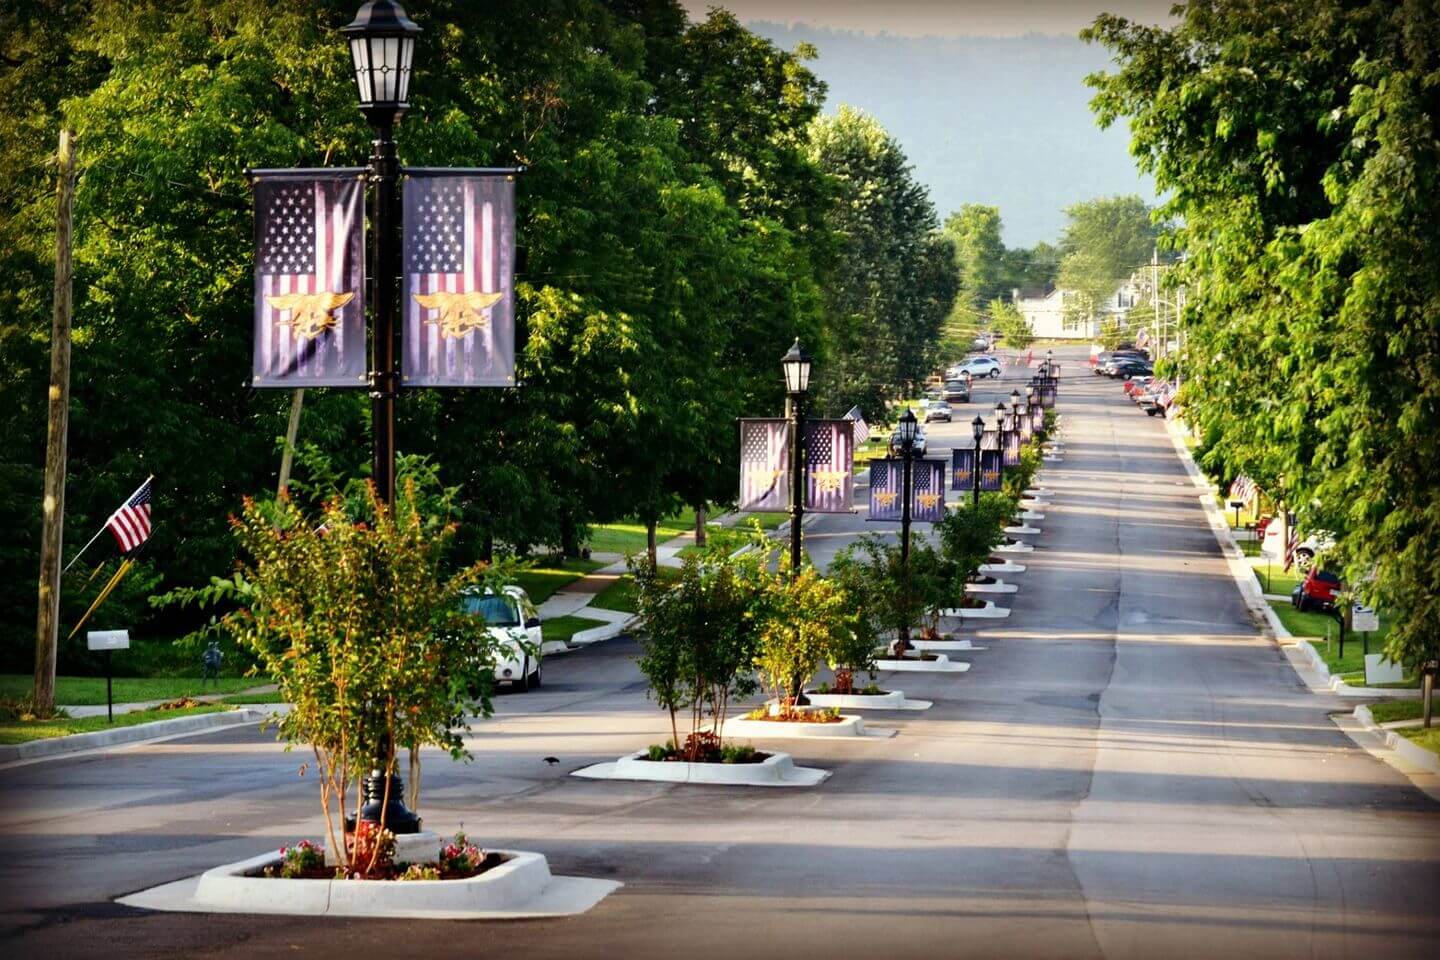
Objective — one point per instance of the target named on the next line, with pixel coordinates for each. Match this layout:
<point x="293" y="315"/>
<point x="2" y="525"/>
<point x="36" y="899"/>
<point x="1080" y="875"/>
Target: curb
<point x="1401" y="746"/>
<point x="1341" y="688"/>
<point x="1240" y="571"/>
<point x="54" y="746"/>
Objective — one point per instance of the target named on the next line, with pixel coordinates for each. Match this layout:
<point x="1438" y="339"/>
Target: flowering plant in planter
<point x="304" y="857"/>
<point x="807" y="617"/>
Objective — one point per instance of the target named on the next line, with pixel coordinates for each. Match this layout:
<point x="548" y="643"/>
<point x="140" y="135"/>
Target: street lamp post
<point x="382" y="48"/>
<point x="1000" y="432"/>
<point x="908" y="427"/>
<point x="977" y="429"/>
<point x="796" y="364"/>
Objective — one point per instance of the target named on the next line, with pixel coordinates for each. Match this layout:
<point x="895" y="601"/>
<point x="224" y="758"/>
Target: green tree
<point x="1106" y="240"/>
<point x="1302" y="168"/>
<point x="1011" y="324"/>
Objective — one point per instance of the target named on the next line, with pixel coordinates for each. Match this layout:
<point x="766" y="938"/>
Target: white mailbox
<point x="108" y="639"/>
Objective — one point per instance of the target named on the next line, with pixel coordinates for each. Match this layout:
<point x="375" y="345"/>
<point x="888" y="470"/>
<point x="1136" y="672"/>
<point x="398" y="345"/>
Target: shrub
<point x="884" y="593"/>
<point x="968" y="534"/>
<point x="808" y="616"/>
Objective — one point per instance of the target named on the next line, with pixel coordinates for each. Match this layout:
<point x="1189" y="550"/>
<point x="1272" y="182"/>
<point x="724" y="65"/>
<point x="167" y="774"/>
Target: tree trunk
<point x="650" y="540"/>
<point x="487" y="552"/>
<point x="700" y="525"/>
<point x="53" y="517"/>
<point x="291" y="429"/>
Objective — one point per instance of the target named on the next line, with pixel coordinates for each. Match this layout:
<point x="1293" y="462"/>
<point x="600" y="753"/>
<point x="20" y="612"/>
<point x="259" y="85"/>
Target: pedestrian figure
<point x="210" y="663"/>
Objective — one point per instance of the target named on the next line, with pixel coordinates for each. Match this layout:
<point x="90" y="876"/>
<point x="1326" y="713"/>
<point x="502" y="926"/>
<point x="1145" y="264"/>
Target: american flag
<point x="830" y="453"/>
<point x="1242" y="489"/>
<point x="927" y="489"/>
<point x="885" y="482"/>
<point x="862" y="429"/>
<point x="309" y="281"/>
<point x="459" y="252"/>
<point x="764" y="465"/>
<point x="131" y="523"/>
<point x="1292" y="540"/>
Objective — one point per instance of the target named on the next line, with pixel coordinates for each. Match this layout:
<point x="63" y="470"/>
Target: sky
<point x="986" y="97"/>
<point x="943" y="18"/>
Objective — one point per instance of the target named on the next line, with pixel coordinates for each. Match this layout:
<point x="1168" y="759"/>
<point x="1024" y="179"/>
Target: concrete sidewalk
<point x="94" y="710"/>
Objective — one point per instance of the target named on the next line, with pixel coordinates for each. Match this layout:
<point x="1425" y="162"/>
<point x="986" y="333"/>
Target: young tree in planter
<point x="967" y="536"/>
<point x="893" y="595"/>
<point x="351" y="615"/>
<point x="854" y="651"/>
<point x="805" y="617"/>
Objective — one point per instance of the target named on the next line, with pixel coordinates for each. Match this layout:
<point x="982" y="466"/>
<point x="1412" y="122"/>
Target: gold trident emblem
<point x="460" y="313"/>
<point x="928" y="500"/>
<point x="311" y="314"/>
<point x="829" y="481"/>
<point x="885" y="498"/>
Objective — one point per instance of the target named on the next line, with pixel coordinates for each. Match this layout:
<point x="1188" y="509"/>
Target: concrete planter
<point x="893" y="700"/>
<point x="945" y="646"/>
<point x="520" y="887"/>
<point x="1015" y="547"/>
<point x="941" y="664"/>
<point x="776" y="770"/>
<point x="1007" y="567"/>
<point x="1052" y="458"/>
<point x="987" y="612"/>
<point x="999" y="586"/>
<point x="1022" y="530"/>
<point x="1031" y="504"/>
<point x="848" y="727"/>
<point x="1031" y="515"/>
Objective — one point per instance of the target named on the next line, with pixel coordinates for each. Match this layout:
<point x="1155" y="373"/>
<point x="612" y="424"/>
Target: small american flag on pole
<point x="862" y="429"/>
<point x="131" y="523"/>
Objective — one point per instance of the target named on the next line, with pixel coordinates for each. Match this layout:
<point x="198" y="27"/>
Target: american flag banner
<point x="1047" y="394"/>
<point x="962" y="468"/>
<point x="130" y="524"/>
<point x="927" y="491"/>
<point x="887" y="479"/>
<point x="1037" y="418"/>
<point x="830" y="455"/>
<point x="1012" y="445"/>
<point x="1292" y="540"/>
<point x="862" y="429"/>
<point x="309" y="278"/>
<point x="991" y="469"/>
<point x="1027" y="424"/>
<point x="1242" y="489"/>
<point x="764" y="465"/>
<point x="458" y="288"/>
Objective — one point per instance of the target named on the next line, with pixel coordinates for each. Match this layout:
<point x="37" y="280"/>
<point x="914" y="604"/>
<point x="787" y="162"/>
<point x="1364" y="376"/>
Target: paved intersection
<point x="1128" y="771"/>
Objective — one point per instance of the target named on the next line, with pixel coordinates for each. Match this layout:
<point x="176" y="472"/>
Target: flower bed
<point x="458" y="860"/>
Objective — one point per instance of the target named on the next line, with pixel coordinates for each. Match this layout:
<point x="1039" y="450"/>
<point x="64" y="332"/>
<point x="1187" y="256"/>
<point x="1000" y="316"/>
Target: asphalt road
<point x="1129" y="770"/>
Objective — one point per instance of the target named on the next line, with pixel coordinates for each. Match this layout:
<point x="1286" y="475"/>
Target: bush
<point x="807" y="617"/>
<point x="968" y="534"/>
<point x="885" y="594"/>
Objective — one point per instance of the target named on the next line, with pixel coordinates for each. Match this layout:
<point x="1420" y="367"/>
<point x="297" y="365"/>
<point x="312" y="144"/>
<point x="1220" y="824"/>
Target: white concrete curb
<point x="1016" y="547"/>
<point x="1022" y="530"/>
<point x="520" y="887"/>
<point x="1411" y="752"/>
<point x="987" y="612"/>
<point x="1031" y="515"/>
<point x="1030" y="505"/>
<point x="999" y="586"/>
<point x="1009" y="566"/>
<point x="892" y="700"/>
<point x="944" y="646"/>
<point x="606" y="631"/>
<point x="776" y="770"/>
<point x="849" y="727"/>
<point x="941" y="664"/>
<point x="200" y="723"/>
<point x="1316" y="662"/>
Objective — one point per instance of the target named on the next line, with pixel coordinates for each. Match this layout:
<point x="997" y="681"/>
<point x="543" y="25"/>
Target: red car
<point x="1135" y="385"/>
<point x="1316" y="592"/>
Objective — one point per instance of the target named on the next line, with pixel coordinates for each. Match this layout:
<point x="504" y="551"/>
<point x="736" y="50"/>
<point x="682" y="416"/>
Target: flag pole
<point x="104" y="526"/>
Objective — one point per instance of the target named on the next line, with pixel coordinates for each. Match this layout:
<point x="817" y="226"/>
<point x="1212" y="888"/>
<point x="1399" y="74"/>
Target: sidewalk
<point x="94" y="710"/>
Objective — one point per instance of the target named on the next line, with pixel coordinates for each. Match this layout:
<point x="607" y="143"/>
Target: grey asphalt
<point x="1130" y="770"/>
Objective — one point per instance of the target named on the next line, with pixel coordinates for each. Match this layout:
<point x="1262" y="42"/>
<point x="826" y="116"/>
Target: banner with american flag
<point x="927" y="491"/>
<point x="862" y="429"/>
<point x="130" y="525"/>
<point x="830" y="456"/>
<point x="458" y="288"/>
<point x="1027" y="423"/>
<point x="1037" y="418"/>
<point x="990" y="461"/>
<point x="962" y="468"/>
<point x="309" y="321"/>
<point x="764" y="465"/>
<point x="1012" y="444"/>
<point x="887" y="478"/>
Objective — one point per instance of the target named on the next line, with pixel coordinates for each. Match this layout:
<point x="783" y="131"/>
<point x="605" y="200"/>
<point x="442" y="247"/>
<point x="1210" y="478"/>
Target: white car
<point x="979" y="367"/>
<point x="1305" y="551"/>
<point x="515" y="626"/>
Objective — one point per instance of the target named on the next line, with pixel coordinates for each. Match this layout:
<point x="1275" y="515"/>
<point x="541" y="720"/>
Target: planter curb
<point x="777" y="770"/>
<point x="56" y="746"/>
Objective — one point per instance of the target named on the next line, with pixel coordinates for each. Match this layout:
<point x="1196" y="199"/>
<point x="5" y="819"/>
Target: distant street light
<point x="796" y="364"/>
<point x="977" y="429"/>
<point x="907" y="429"/>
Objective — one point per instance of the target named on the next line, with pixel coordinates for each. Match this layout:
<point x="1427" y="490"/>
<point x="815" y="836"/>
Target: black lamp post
<point x="908" y="427"/>
<point x="796" y="364"/>
<point x="1049" y="359"/>
<point x="977" y="428"/>
<point x="1000" y="436"/>
<point x="382" y="47"/>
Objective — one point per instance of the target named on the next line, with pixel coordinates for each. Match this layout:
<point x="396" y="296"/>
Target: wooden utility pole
<point x="291" y="430"/>
<point x="53" y="517"/>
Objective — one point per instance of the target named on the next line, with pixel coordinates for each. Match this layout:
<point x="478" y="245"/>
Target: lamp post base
<point x="398" y="817"/>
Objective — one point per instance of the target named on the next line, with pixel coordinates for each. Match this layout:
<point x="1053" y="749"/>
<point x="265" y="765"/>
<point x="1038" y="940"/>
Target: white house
<point x="1044" y="309"/>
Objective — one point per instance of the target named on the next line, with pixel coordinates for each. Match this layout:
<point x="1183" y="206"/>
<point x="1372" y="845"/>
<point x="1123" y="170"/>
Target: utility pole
<point x="291" y="430"/>
<point x="1155" y="297"/>
<point x="53" y="515"/>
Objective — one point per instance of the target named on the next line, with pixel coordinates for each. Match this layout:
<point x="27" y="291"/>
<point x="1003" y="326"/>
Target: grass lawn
<point x="1313" y="626"/>
<point x="563" y="628"/>
<point x="542" y="581"/>
<point x="629" y="537"/>
<point x="1389" y="711"/>
<point x="1429" y="739"/>
<point x="621" y="595"/>
<point x="89" y="691"/>
<point x="1280" y="581"/>
<point x="271" y="696"/>
<point x="20" y="731"/>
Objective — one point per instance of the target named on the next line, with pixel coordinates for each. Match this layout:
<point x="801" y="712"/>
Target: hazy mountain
<point x="997" y="120"/>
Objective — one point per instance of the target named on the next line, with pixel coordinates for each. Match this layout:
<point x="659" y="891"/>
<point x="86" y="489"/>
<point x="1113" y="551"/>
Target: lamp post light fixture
<point x="382" y="50"/>
<point x="796" y="364"/>
<point x="908" y="429"/>
<point x="1000" y="436"/>
<point x="977" y="429"/>
<point x="1015" y="403"/>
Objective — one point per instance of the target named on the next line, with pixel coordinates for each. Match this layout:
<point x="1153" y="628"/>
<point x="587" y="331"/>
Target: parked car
<point x="980" y="345"/>
<point x="1105" y="356"/>
<point x="1128" y="367"/>
<point x="1154" y="398"/>
<point x="1316" y="592"/>
<point x="1134" y="386"/>
<point x="937" y="410"/>
<point x="981" y="367"/>
<point x="515" y="626"/>
<point x="920" y="442"/>
<point x="957" y="390"/>
<point x="1305" y="551"/>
